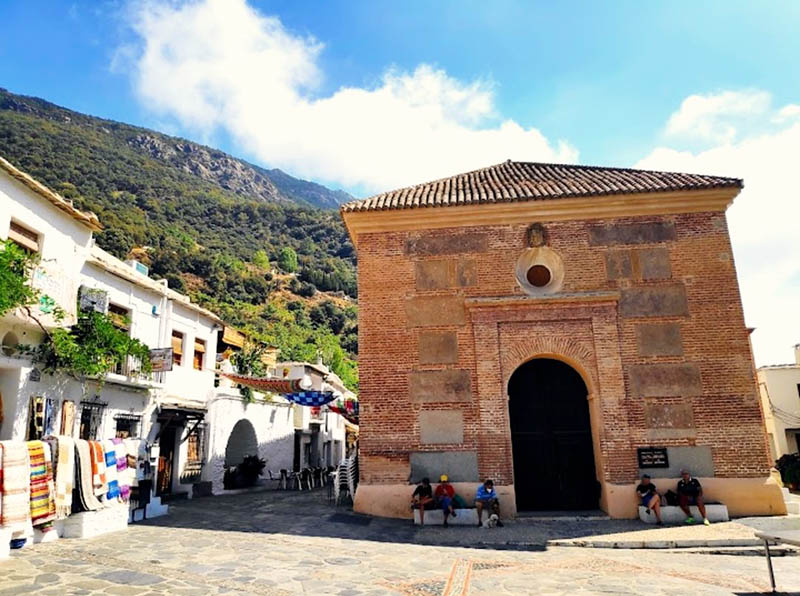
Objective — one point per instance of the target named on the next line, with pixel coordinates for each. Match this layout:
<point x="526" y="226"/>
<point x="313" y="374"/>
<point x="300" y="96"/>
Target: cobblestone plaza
<point x="296" y="543"/>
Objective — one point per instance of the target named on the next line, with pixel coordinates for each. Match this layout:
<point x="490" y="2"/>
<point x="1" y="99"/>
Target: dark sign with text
<point x="653" y="457"/>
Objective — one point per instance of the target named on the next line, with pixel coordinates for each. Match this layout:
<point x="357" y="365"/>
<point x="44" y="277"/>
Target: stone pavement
<point x="295" y="543"/>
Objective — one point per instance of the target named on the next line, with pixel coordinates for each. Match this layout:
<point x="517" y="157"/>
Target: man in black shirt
<point x="650" y="497"/>
<point x="691" y="493"/>
<point x="422" y="499"/>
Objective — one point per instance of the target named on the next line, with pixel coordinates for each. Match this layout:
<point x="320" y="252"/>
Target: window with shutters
<point x="24" y="237"/>
<point x="199" y="353"/>
<point x="177" y="348"/>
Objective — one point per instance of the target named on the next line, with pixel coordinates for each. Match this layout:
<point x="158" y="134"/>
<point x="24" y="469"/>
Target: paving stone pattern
<point x="295" y="543"/>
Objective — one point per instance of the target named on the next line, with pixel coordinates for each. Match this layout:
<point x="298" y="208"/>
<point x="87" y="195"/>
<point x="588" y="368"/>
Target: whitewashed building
<point x="779" y="386"/>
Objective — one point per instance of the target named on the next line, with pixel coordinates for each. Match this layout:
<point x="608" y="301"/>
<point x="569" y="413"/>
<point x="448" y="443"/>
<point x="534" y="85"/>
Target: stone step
<point x="674" y="515"/>
<point x="435" y="517"/>
<point x="793" y="507"/>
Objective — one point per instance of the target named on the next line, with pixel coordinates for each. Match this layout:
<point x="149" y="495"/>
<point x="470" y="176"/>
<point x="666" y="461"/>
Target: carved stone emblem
<point x="537" y="235"/>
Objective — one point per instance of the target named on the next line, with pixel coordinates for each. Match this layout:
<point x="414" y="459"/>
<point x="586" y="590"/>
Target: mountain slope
<point x="205" y="163"/>
<point x="213" y="226"/>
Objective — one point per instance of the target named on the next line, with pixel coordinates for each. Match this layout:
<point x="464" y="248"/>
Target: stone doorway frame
<point x="582" y="331"/>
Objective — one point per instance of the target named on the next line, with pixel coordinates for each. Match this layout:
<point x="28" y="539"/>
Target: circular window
<point x="539" y="271"/>
<point x="538" y="276"/>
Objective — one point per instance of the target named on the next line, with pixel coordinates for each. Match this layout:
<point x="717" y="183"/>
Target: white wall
<point x="781" y="405"/>
<point x="63" y="241"/>
<point x="273" y="425"/>
<point x="184" y="381"/>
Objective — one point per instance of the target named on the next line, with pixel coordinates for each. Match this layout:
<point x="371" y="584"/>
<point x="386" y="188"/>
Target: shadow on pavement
<point x="309" y="513"/>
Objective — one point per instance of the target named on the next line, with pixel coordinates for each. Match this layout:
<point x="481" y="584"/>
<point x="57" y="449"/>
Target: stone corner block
<point x="441" y="427"/>
<point x="438" y="347"/>
<point x="426" y="386"/>
<point x="430" y="311"/>
<point x="665" y="380"/>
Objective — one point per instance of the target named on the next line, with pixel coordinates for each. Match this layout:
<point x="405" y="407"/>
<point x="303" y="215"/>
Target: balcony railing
<point x="132" y="369"/>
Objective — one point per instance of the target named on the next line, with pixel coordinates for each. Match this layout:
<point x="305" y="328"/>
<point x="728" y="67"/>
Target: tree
<point x="260" y="259"/>
<point x="16" y="267"/>
<point x="287" y="259"/>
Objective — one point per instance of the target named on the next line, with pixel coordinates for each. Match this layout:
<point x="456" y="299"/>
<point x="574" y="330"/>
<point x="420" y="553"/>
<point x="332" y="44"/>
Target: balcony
<point x="130" y="373"/>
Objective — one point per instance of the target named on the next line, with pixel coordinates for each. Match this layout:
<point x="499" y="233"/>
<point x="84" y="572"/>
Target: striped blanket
<point x="42" y="501"/>
<point x="83" y="494"/>
<point x="111" y="469"/>
<point x="98" y="459"/>
<point x="123" y="474"/>
<point x="15" y="511"/>
<point x="64" y="475"/>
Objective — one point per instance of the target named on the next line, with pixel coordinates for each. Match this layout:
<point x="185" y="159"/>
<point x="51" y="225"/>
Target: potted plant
<point x="250" y="469"/>
<point x="789" y="467"/>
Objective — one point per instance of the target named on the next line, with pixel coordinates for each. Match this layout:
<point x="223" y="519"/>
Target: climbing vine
<point x="90" y="348"/>
<point x="249" y="361"/>
<point x="16" y="269"/>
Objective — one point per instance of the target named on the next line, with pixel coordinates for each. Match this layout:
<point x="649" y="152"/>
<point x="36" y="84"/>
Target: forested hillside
<point x="237" y="240"/>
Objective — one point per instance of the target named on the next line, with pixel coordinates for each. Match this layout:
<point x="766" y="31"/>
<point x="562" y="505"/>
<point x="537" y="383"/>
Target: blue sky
<point x="372" y="95"/>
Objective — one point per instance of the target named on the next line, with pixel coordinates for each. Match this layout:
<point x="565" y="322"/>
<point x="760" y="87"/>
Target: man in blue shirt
<point x="486" y="498"/>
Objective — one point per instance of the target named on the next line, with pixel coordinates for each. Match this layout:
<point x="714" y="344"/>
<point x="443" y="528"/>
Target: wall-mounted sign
<point x="653" y="457"/>
<point x="161" y="359"/>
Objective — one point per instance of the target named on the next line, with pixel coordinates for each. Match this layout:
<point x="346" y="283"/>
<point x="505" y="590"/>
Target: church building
<point x="561" y="330"/>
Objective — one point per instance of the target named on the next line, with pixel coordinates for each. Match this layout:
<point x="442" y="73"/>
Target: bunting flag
<point x="346" y="408"/>
<point x="282" y="386"/>
<point x="310" y="398"/>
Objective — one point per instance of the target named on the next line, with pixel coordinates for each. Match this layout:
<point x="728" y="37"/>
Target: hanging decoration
<point x="346" y="408"/>
<point x="290" y="389"/>
<point x="282" y="386"/>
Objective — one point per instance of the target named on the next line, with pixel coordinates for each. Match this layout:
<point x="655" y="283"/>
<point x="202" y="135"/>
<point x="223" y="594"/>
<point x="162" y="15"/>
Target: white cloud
<point x="221" y="65"/>
<point x="716" y="117"/>
<point x="764" y="218"/>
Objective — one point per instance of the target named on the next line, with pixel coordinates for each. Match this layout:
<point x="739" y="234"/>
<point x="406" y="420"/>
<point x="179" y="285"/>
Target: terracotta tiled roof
<point x="513" y="181"/>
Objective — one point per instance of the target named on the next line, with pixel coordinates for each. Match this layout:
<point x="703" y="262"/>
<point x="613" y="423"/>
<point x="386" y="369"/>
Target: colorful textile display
<point x="98" y="462"/>
<point x="84" y="498"/>
<point x="36" y="417"/>
<point x="64" y="475"/>
<point x="42" y="501"/>
<point x="132" y="451"/>
<point x="68" y="418"/>
<point x="265" y="383"/>
<point x="122" y="469"/>
<point x="111" y="469"/>
<point x="15" y="511"/>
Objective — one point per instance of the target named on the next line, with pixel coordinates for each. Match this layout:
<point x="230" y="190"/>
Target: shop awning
<point x="268" y="384"/>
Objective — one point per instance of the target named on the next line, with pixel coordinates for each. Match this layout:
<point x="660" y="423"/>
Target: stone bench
<point x="671" y="514"/>
<point x="435" y="517"/>
<point x="89" y="524"/>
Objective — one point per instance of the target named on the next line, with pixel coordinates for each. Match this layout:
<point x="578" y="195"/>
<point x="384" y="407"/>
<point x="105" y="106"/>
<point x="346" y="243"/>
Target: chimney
<point x="797" y="354"/>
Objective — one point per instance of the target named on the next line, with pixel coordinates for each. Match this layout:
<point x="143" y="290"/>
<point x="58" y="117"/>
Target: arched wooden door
<point x="551" y="438"/>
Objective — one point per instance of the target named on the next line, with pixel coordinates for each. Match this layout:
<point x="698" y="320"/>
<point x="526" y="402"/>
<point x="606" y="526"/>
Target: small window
<point x="177" y="348"/>
<point x="127" y="426"/>
<point x="120" y="317"/>
<point x="27" y="239"/>
<point x="199" y="353"/>
<point x="538" y="276"/>
<point x="91" y="420"/>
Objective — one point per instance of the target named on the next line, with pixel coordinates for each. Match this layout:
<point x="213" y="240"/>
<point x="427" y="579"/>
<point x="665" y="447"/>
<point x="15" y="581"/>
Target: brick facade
<point x="648" y="312"/>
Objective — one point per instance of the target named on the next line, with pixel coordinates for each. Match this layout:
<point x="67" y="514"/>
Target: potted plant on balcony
<point x="789" y="467"/>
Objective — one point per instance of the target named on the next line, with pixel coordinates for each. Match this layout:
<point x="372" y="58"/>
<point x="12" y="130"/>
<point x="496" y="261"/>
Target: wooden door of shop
<point x="551" y="438"/>
<point x="166" y="445"/>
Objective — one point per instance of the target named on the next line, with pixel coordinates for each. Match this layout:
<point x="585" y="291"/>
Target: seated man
<point x="691" y="493"/>
<point x="650" y="498"/>
<point x="444" y="497"/>
<point x="422" y="499"/>
<point x="486" y="498"/>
